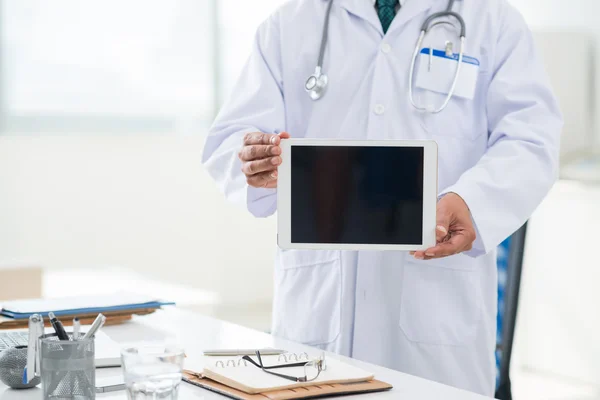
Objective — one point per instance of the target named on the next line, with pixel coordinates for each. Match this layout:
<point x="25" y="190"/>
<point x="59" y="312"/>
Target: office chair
<point x="511" y="257"/>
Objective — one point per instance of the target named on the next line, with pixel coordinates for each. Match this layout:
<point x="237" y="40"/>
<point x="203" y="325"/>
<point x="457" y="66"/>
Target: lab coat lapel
<point x="410" y="10"/>
<point x="363" y="9"/>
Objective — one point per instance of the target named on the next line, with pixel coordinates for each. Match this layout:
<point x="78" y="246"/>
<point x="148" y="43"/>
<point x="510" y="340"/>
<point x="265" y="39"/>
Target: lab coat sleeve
<point x="255" y="105"/>
<point x="521" y="162"/>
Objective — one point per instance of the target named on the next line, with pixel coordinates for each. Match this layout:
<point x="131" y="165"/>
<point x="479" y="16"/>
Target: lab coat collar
<point x="365" y="9"/>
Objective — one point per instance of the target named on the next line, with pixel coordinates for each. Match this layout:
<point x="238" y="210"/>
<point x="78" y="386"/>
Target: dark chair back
<point x="516" y="249"/>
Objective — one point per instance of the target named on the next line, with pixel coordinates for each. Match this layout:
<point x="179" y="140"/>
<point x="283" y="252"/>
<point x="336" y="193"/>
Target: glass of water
<point x="152" y="372"/>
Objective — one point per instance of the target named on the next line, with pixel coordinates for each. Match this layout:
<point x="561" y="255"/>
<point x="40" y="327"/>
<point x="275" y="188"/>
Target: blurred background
<point x="103" y="112"/>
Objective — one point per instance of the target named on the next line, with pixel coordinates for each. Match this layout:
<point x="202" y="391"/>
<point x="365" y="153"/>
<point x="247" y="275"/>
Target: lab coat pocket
<point x="287" y="259"/>
<point x="307" y="300"/>
<point x="463" y="117"/>
<point x="453" y="122"/>
<point x="440" y="305"/>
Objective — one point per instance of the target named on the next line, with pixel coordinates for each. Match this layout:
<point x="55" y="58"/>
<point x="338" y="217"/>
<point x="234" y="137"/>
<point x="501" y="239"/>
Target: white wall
<point x="560" y="13"/>
<point x="575" y="16"/>
<point x="572" y="84"/>
<point x="141" y="202"/>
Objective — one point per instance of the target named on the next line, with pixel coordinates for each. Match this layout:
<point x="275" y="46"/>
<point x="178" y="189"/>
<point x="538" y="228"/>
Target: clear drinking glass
<point x="152" y="372"/>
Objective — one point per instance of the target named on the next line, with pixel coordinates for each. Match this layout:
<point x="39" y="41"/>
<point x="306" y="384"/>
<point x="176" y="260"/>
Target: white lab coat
<point x="435" y="319"/>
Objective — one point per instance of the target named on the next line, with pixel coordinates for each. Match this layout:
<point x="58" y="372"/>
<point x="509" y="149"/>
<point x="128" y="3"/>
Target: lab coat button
<point x="386" y="48"/>
<point x="379" y="109"/>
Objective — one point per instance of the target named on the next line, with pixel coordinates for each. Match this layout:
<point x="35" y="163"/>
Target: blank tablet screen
<point x="357" y="195"/>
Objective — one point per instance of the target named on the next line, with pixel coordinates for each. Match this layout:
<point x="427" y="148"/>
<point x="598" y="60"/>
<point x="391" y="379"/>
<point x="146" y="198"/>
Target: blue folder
<point x="11" y="313"/>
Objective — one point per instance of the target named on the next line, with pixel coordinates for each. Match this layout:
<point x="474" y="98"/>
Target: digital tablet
<point x="357" y="195"/>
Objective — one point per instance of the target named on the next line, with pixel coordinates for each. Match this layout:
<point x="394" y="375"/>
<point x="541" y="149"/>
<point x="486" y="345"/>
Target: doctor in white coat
<point x="433" y="313"/>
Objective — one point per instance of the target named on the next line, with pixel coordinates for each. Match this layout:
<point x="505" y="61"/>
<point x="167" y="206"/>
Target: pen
<point x="76" y="328"/>
<point x="243" y="352"/>
<point x="58" y="327"/>
<point x="110" y="388"/>
<point x="98" y="322"/>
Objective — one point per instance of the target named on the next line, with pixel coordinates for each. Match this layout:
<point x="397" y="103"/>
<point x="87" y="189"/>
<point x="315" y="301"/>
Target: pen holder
<point x="12" y="365"/>
<point x="67" y="368"/>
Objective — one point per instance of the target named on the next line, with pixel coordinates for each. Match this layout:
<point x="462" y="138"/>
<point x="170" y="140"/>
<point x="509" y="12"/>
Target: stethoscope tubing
<point x="320" y="79"/>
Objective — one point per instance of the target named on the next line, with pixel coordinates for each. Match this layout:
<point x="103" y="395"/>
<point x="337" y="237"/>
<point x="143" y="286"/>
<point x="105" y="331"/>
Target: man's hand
<point x="260" y="156"/>
<point x="454" y="231"/>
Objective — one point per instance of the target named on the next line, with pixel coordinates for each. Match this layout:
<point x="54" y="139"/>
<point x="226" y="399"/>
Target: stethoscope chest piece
<point x="316" y="84"/>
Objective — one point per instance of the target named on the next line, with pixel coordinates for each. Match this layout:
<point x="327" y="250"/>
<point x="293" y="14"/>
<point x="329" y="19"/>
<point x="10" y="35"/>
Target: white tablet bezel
<point x="430" y="172"/>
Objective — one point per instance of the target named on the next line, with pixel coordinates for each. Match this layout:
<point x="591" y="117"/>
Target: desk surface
<point x="195" y="332"/>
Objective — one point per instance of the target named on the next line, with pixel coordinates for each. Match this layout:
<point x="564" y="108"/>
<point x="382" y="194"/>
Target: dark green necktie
<point x="386" y="9"/>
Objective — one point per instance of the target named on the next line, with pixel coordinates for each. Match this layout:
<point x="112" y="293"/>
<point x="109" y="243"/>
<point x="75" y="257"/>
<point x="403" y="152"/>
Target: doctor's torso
<point x="497" y="146"/>
<point x="368" y="73"/>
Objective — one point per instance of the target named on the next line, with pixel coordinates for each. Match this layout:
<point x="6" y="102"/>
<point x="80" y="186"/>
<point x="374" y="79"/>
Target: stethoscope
<point x="316" y="84"/>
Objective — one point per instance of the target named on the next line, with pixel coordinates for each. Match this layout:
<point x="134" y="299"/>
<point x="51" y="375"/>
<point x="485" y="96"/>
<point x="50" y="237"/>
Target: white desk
<point x="195" y="332"/>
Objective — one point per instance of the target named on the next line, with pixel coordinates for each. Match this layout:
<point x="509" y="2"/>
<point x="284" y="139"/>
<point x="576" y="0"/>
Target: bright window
<point x="107" y="66"/>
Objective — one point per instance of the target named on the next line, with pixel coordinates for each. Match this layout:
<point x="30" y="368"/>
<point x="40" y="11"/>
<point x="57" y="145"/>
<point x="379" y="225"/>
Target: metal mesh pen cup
<point x="67" y="368"/>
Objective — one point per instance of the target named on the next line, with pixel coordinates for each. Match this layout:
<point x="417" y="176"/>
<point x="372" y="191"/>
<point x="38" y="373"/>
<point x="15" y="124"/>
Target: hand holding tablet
<point x="455" y="230"/>
<point x="261" y="156"/>
<point x="357" y="195"/>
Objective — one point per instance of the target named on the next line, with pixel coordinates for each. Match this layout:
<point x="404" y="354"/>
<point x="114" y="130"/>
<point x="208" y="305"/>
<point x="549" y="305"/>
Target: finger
<point x="276" y="140"/>
<point x="456" y="244"/>
<point x="443" y="249"/>
<point x="258" y="151"/>
<point x="441" y="231"/>
<point x="271" y="184"/>
<point x="443" y="217"/>
<point x="419" y="255"/>
<point x="258" y="166"/>
<point x="263" y="180"/>
<point x="260" y="138"/>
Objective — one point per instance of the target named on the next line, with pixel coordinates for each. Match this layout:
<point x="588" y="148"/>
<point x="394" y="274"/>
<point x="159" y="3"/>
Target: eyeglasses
<point x="312" y="368"/>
